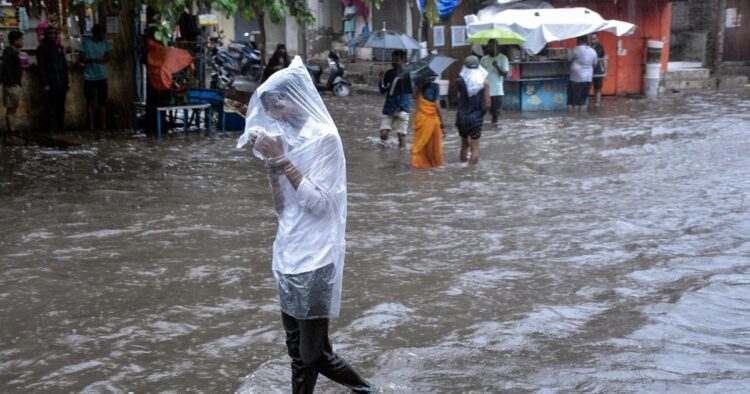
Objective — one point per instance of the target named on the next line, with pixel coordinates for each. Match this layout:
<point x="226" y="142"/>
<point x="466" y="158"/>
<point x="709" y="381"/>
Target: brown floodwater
<point x="603" y="252"/>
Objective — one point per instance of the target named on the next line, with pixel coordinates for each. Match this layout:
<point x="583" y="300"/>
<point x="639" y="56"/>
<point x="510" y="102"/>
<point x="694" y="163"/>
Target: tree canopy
<point x="169" y="11"/>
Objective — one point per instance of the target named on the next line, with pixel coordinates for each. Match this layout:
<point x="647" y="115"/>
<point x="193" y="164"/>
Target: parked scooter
<point x="248" y="56"/>
<point x="337" y="82"/>
<point x="240" y="59"/>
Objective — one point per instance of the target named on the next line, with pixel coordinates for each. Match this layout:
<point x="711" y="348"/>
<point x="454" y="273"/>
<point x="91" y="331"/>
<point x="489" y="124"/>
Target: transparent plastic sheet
<point x="293" y="134"/>
<point x="474" y="79"/>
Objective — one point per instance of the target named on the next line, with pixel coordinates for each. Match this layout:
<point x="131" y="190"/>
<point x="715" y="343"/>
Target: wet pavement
<point x="604" y="252"/>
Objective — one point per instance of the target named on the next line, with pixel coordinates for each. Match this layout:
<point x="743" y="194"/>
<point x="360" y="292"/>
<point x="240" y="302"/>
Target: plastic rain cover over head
<point x="292" y="132"/>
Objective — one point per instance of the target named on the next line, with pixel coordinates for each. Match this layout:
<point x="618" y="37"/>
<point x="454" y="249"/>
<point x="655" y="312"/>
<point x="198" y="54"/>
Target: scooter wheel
<point x="342" y="90"/>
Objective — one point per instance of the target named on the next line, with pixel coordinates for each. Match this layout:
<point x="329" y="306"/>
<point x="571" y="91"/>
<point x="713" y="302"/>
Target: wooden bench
<point x="184" y="108"/>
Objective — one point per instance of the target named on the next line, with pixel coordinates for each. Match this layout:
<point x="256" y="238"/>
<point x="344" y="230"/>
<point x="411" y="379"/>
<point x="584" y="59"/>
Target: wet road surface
<point x="607" y="252"/>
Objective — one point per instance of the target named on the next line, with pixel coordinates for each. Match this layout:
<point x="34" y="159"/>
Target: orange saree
<point x="427" y="150"/>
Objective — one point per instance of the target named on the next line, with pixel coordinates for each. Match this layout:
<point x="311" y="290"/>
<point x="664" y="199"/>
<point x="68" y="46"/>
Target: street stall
<point x="538" y="78"/>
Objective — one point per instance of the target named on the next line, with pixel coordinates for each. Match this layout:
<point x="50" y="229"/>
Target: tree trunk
<point x="261" y="16"/>
<point x="122" y="85"/>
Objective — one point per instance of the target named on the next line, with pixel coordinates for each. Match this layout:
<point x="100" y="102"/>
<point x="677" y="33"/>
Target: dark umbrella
<point x="426" y="67"/>
<point x="435" y="63"/>
<point x="385" y="39"/>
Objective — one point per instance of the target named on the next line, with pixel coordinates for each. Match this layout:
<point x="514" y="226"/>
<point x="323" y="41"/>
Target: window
<point x="458" y="36"/>
<point x="438" y="36"/>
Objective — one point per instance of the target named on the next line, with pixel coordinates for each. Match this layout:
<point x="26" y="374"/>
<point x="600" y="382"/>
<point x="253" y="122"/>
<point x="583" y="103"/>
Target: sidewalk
<point x="365" y="71"/>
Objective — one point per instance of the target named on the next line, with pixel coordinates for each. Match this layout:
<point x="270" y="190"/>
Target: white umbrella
<point x="542" y="26"/>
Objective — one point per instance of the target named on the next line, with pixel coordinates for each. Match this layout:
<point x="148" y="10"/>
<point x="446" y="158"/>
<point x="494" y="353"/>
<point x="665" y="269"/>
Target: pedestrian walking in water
<point x="11" y="78"/>
<point x="397" y="103"/>
<point x="427" y="149"/>
<point x="582" y="61"/>
<point x="473" y="102"/>
<point x="291" y="131"/>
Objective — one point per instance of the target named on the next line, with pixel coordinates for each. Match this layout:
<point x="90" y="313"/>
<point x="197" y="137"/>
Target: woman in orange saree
<point x="427" y="150"/>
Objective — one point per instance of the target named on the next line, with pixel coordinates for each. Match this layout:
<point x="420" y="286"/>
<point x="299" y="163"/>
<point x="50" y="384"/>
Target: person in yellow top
<point x="427" y="149"/>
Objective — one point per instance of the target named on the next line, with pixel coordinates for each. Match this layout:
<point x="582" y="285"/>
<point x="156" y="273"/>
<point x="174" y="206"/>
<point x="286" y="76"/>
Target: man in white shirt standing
<point x="497" y="67"/>
<point x="292" y="132"/>
<point x="582" y="59"/>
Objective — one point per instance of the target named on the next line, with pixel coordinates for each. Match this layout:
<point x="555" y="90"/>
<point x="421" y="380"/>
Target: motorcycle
<point x="238" y="60"/>
<point x="248" y="57"/>
<point x="337" y="82"/>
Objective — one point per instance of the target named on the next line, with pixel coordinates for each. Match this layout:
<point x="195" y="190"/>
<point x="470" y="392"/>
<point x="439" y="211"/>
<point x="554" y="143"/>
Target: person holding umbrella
<point x="496" y="63"/>
<point x="497" y="67"/>
<point x="397" y="102"/>
<point x="427" y="150"/>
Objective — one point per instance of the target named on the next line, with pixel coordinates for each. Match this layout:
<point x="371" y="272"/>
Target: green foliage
<point x="169" y="11"/>
<point x="430" y="11"/>
<point x="276" y="10"/>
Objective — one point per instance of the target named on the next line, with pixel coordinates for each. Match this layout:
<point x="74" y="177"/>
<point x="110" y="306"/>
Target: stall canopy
<point x="542" y="26"/>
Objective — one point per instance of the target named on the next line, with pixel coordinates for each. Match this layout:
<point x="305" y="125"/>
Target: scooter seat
<point x="314" y="70"/>
<point x="235" y="47"/>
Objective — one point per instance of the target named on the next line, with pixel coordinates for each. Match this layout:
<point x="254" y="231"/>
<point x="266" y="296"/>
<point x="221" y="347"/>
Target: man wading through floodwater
<point x="292" y="132"/>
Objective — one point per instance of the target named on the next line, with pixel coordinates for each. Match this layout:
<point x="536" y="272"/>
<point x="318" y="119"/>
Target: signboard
<point x="113" y="25"/>
<point x="733" y="18"/>
<point x="438" y="36"/>
<point x="458" y="36"/>
<point x="208" y="20"/>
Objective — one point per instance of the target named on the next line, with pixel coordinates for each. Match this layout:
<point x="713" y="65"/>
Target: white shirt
<point x="494" y="76"/>
<point x="312" y="216"/>
<point x="583" y="59"/>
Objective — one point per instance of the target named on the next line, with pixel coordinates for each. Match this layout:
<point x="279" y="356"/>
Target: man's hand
<point x="270" y="147"/>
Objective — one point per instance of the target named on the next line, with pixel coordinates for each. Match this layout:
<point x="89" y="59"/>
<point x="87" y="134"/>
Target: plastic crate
<point x="234" y="121"/>
<point x="201" y="96"/>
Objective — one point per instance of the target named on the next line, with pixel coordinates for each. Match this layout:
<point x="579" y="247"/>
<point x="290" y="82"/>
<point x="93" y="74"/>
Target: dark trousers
<point x="56" y="106"/>
<point x="311" y="352"/>
<point x="496" y="107"/>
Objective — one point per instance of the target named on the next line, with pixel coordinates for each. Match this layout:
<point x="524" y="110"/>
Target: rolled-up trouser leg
<point x="316" y="352"/>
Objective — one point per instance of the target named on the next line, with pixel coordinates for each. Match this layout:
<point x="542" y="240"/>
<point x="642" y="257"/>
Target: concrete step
<point x="734" y="68"/>
<point x="688" y="74"/>
<point x="732" y="81"/>
<point x="690" y="84"/>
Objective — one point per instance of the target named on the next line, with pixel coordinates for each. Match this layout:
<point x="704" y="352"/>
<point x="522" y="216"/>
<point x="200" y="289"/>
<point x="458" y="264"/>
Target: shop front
<point x="539" y="69"/>
<point x="32" y="18"/>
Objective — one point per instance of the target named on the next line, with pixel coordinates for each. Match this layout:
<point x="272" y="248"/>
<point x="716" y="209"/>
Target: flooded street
<point x="594" y="253"/>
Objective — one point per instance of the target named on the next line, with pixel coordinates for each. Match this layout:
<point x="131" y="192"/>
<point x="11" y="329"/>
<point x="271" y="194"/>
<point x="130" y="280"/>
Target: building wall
<point x="628" y="54"/>
<point x="459" y="52"/>
<point x="327" y="29"/>
<point x="276" y="34"/>
<point x="694" y="31"/>
<point x="31" y="114"/>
